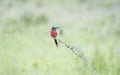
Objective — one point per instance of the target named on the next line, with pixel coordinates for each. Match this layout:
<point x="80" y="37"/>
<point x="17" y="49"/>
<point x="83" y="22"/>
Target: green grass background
<point x="26" y="47"/>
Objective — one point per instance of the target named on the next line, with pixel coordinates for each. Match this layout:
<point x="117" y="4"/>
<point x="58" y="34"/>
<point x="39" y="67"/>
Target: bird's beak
<point x="57" y="27"/>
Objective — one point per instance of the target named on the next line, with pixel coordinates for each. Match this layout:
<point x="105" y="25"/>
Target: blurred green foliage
<point x="26" y="47"/>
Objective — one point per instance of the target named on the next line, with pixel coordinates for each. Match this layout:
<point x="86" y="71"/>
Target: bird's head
<point x="55" y="28"/>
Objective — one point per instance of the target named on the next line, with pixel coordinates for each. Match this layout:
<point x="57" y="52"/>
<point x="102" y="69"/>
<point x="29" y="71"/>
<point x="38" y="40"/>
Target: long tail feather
<point x="56" y="42"/>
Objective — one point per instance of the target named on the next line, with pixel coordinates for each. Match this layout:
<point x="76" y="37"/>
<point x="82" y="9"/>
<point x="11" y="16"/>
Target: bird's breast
<point x="53" y="33"/>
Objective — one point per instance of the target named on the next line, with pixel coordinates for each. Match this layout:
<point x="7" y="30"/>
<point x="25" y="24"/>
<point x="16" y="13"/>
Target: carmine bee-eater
<point x="54" y="34"/>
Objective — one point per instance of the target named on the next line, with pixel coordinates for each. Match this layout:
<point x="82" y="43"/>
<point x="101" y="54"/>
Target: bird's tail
<point x="56" y="42"/>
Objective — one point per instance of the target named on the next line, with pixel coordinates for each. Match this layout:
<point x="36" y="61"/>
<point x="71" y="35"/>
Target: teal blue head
<point x="55" y="27"/>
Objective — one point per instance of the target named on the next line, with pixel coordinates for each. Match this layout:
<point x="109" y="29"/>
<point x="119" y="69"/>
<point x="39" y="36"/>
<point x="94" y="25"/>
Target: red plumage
<point x="53" y="33"/>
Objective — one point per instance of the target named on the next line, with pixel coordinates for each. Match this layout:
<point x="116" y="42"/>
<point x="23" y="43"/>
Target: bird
<point x="54" y="33"/>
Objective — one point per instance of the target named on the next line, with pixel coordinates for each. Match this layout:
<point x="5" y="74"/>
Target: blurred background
<point x="26" y="47"/>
